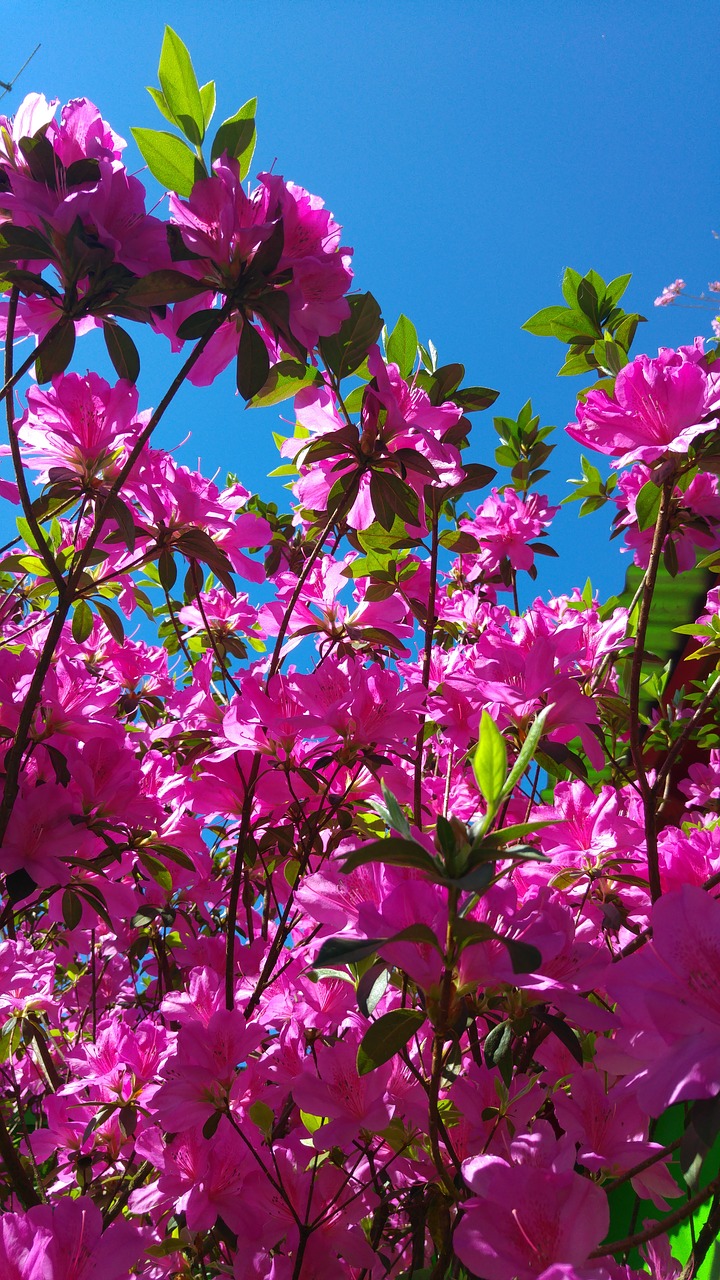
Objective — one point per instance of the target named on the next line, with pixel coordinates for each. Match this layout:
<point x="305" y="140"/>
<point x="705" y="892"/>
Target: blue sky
<point x="470" y="150"/>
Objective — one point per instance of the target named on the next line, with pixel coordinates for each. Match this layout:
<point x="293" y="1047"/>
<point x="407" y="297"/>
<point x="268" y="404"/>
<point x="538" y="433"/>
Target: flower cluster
<point x="362" y="925"/>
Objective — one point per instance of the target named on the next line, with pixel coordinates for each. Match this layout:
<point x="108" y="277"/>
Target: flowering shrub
<point x="369" y="929"/>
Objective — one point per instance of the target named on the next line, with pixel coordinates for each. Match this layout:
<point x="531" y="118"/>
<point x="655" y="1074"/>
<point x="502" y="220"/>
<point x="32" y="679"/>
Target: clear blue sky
<point x="471" y="151"/>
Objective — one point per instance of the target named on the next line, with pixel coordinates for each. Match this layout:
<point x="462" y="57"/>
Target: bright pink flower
<point x="504" y="525"/>
<point x="667" y="996"/>
<point x="400" y="432"/>
<point x="75" y="1245"/>
<point x="306" y="279"/>
<point x="694" y="522"/>
<point x="658" y="407"/>
<point x="80" y="425"/>
<point x="331" y="1086"/>
<point x="523" y="1218"/>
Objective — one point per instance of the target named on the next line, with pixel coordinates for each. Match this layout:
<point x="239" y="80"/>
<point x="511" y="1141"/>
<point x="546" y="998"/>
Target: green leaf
<point x="372" y="987"/>
<point x="347" y="349"/>
<point x="57" y="350"/>
<point x="198" y="324"/>
<point x="616" y="288"/>
<point x="71" y="909"/>
<point x="386" y="1037"/>
<point x="253" y="362"/>
<point x="474" y="399"/>
<point x="647" y="505"/>
<point x="180" y="87"/>
<point x="588" y="301"/>
<point x="402" y="346"/>
<point x="497" y="1049"/>
<point x="524" y="957"/>
<point x="392" y="851"/>
<point x="445" y="381"/>
<point x="169" y="159"/>
<point x="237" y="136"/>
<point x="82" y="622"/>
<point x="527" y="751"/>
<point x="122" y="351"/>
<point x="335" y="951"/>
<point x="283" y="381"/>
<point x="390" y="497"/>
<point x="156" y="869"/>
<point x="397" y="818"/>
<point x="167" y="570"/>
<point x="160" y="287"/>
<point x="490" y="761"/>
<point x="158" y="98"/>
<point x="112" y="621"/>
<point x="207" y="97"/>
<point x="542" y="324"/>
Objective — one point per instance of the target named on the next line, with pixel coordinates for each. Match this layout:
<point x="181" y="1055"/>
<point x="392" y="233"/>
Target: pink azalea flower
<point x="658" y="407"/>
<point x="73" y="1245"/>
<point x="81" y="425"/>
<point x="332" y="1087"/>
<point x="504" y="525"/>
<point x="226" y="229"/>
<point x="667" y="995"/>
<point x="523" y="1218"/>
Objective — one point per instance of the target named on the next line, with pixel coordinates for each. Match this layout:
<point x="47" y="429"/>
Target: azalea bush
<point x="357" y="922"/>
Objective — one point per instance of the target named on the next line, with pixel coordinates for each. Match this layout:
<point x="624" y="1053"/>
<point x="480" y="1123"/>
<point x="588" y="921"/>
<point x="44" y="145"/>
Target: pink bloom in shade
<point x="400" y="433"/>
<point x="176" y="500"/>
<point x="79" y="1249"/>
<point x="24" y="1247"/>
<point x="199" y="1178"/>
<point x="658" y="1255"/>
<point x="587" y="831"/>
<point x="81" y="425"/>
<point x="702" y="785"/>
<point x="659" y="406"/>
<point x="202" y="1072"/>
<point x="40" y="834"/>
<point x="224" y="614"/>
<point x="610" y="1130"/>
<point x="112" y="213"/>
<point x="271" y="1223"/>
<point x="669" y="1002"/>
<point x="362" y="705"/>
<point x="689" y="855"/>
<point x="524" y="1218"/>
<point x="332" y="1087"/>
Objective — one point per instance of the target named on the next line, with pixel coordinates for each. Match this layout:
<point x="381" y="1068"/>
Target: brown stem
<point x="707" y="1237"/>
<point x="12" y="379"/>
<point x="19" y="1180"/>
<point x="438" y="1046"/>
<point x="660" y="1228"/>
<point x="641" y="1167"/>
<point x="237" y="870"/>
<point x="430" y="622"/>
<point x="646" y="791"/>
<point x="13" y="759"/>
